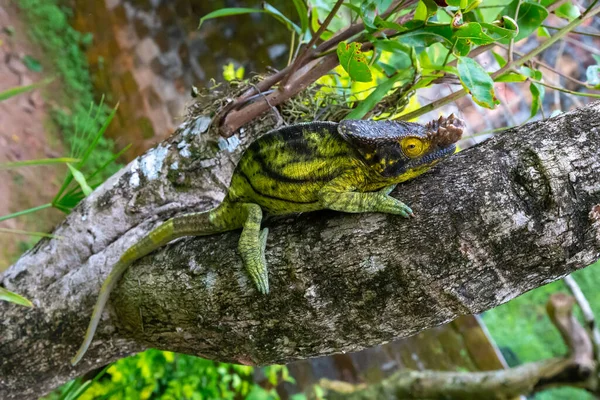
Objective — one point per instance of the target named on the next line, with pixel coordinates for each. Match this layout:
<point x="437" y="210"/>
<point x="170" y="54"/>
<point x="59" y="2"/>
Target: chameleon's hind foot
<point x="252" y="250"/>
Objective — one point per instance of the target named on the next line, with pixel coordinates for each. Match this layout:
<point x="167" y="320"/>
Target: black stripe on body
<point x="269" y="196"/>
<point x="284" y="170"/>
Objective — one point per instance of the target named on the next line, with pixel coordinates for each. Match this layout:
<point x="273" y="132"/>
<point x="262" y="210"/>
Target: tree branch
<point x="492" y="222"/>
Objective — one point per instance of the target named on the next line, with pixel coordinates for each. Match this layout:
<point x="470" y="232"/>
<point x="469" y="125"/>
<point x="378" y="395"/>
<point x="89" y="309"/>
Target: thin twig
<point x="560" y="89"/>
<point x="586" y="310"/>
<point x="546" y="66"/>
<point x="511" y="43"/>
<point x="591" y="49"/>
<point x="307" y="50"/>
<point x="595" y="35"/>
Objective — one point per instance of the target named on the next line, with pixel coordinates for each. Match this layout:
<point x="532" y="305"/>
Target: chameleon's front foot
<point x="356" y="202"/>
<point x="392" y="205"/>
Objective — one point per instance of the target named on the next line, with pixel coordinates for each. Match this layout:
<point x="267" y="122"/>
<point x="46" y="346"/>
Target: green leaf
<point x="32" y="64"/>
<point x="532" y="73"/>
<point x="537" y="92"/>
<point x="473" y="4"/>
<point x="499" y="59"/>
<point x="9" y="296"/>
<point x="501" y="30"/>
<point x="424" y="36"/>
<point x="354" y="61"/>
<point x="425" y="9"/>
<point x="401" y="54"/>
<point x="421" y="12"/>
<point x="227" y="12"/>
<point x="302" y="14"/>
<point x="382" y="23"/>
<point x="78" y="176"/>
<point x="543" y="32"/>
<point x="596" y="57"/>
<point x="369" y="12"/>
<point x="531" y="16"/>
<point x="267" y="8"/>
<point x="376" y="95"/>
<point x="568" y="11"/>
<point x="473" y="32"/>
<point x="477" y="82"/>
<point x="593" y="76"/>
<point x="462" y="48"/>
<point x="511" y="76"/>
<point x="278" y="15"/>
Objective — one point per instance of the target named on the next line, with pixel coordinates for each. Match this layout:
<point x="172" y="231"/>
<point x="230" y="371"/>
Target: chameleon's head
<point x="402" y="150"/>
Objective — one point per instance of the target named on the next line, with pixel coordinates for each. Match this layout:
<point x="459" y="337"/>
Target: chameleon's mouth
<point x="438" y="154"/>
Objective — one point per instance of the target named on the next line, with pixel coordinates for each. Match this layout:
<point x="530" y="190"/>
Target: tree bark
<point x="577" y="369"/>
<point x="492" y="222"/>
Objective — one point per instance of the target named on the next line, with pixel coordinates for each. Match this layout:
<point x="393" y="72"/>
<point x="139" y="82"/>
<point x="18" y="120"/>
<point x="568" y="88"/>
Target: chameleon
<point x="350" y="166"/>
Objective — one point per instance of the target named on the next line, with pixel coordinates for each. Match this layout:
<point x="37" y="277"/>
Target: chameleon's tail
<point x="185" y="225"/>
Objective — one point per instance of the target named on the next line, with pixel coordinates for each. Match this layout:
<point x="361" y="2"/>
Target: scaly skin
<point x="350" y="167"/>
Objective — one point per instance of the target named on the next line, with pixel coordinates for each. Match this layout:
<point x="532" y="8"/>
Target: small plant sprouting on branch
<point x="392" y="43"/>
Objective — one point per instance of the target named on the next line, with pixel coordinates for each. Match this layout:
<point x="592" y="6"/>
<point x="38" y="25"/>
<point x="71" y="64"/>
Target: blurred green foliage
<point x="48" y="25"/>
<point x="164" y="375"/>
<point x="523" y="328"/>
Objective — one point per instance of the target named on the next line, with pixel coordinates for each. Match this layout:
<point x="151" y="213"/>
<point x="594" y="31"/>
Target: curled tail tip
<point x="75" y="360"/>
<point x="80" y="352"/>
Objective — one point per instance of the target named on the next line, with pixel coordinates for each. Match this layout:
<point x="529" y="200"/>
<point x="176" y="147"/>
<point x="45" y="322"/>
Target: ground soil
<point x="26" y="132"/>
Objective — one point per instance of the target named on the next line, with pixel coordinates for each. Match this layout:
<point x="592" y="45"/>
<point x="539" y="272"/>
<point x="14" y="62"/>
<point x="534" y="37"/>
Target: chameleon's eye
<point x="413" y="147"/>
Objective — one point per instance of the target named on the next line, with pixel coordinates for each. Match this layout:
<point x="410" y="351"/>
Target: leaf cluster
<point x="156" y="374"/>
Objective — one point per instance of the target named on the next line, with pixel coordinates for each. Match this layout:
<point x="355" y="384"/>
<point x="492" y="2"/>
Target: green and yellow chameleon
<point x="349" y="166"/>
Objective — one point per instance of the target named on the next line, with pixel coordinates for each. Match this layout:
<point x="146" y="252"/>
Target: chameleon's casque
<point x="350" y="166"/>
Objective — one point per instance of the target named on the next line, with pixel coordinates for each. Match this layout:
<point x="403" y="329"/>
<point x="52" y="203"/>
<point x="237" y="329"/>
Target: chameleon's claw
<point x="257" y="269"/>
<point x="262" y="283"/>
<point x="252" y="250"/>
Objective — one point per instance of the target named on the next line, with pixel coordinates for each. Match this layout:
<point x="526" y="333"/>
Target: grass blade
<point x="278" y="15"/>
<point x="41" y="161"/>
<point x="24" y="212"/>
<point x="80" y="179"/>
<point x="28" y="233"/>
<point x="22" y="89"/>
<point x="97" y="137"/>
<point x="7" y="295"/>
<point x="110" y="161"/>
<point x="69" y="178"/>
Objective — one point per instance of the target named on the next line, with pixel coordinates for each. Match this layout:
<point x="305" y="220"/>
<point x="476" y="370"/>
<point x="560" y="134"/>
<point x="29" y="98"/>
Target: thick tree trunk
<point x="492" y="222"/>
